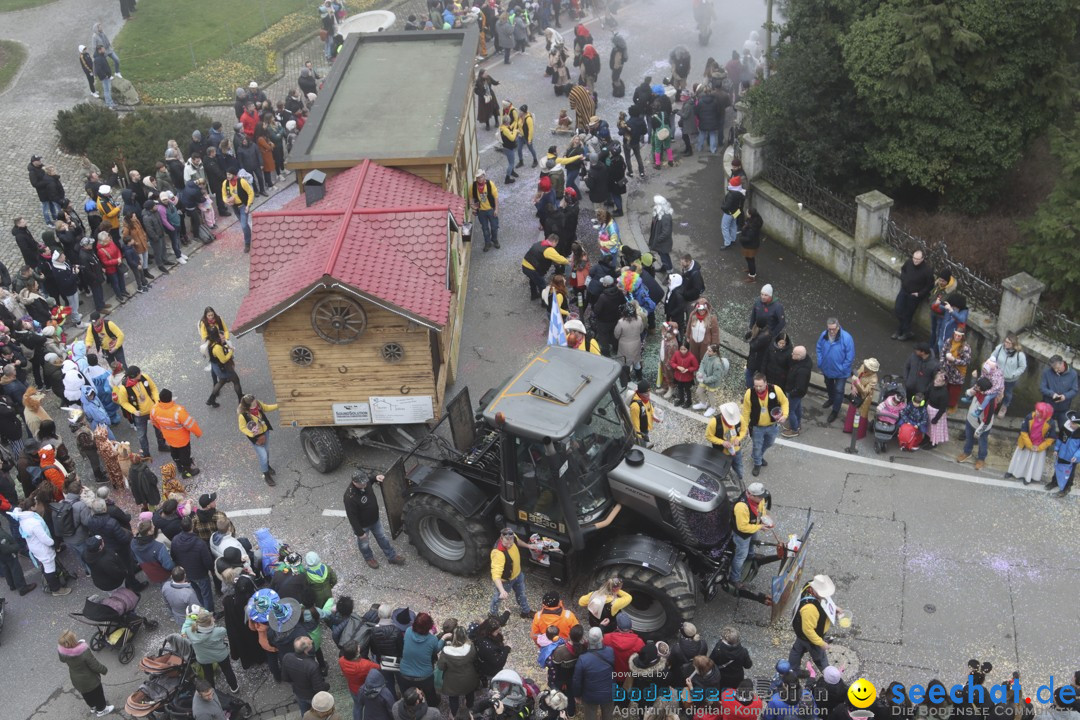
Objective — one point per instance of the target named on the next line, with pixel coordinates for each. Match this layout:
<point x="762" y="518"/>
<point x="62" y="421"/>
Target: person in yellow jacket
<point x="526" y="131"/>
<point x="236" y="192"/>
<point x="814" y="613"/>
<point x="251" y="417"/>
<point x="177" y="427"/>
<point x="105" y="337"/>
<point x="508" y="134"/>
<point x="726" y="432"/>
<point x="109" y="212"/>
<point x="578" y="339"/>
<point x="764" y="410"/>
<point x="642" y="414"/>
<point x="750" y="517"/>
<point x="538" y="259"/>
<point x="210" y="320"/>
<point x="138" y="394"/>
<point x="506" y="574"/>
<point x="605" y="603"/>
<point x="224" y="367"/>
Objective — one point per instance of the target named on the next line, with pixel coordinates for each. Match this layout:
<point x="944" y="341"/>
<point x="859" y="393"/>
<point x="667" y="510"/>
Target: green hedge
<point x="134" y="141"/>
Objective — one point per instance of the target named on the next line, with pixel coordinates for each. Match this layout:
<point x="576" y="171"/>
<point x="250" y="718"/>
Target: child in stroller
<point x="511" y="698"/>
<point x="888" y="412"/>
<point x="116" y="621"/>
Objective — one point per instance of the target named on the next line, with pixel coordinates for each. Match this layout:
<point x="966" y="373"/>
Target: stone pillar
<point x="870" y="218"/>
<point x="1019" y="298"/>
<point x="753" y="156"/>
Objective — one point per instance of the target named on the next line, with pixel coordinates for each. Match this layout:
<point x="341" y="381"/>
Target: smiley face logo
<point x="862" y="693"/>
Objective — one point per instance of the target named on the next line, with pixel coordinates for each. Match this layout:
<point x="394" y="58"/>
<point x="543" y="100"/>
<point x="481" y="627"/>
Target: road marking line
<point x="249" y="512"/>
<point x="838" y="455"/>
<point x="334" y="513"/>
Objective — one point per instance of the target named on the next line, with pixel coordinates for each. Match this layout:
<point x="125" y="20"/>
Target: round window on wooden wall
<point x="393" y="352"/>
<point x="302" y="355"/>
<point x="338" y="319"/>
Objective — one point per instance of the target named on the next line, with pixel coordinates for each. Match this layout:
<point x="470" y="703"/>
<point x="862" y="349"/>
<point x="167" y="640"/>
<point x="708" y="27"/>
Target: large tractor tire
<point x="323" y="448"/>
<point x="449" y="541"/>
<point x="661" y="602"/>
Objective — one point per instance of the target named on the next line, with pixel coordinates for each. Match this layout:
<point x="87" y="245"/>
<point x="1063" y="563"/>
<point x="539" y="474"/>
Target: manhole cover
<point x="844" y="657"/>
<point x="930" y="608"/>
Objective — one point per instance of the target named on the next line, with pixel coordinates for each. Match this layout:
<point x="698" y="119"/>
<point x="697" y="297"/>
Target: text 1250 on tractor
<point x="552" y="453"/>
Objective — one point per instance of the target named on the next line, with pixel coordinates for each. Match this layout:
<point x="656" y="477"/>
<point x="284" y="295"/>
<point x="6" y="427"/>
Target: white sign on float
<point x="401" y="410"/>
<point x="352" y="413"/>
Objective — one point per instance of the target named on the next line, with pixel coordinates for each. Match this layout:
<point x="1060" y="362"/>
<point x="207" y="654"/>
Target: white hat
<point x="833" y="675"/>
<point x="253" y="85"/>
<point x="766" y="289"/>
<point x="51" y="357"/>
<point x="104" y="190"/>
<point x="166" y="195"/>
<point x="480" y="173"/>
<point x="575" y="326"/>
<point x="311" y="97"/>
<point x="731" y="413"/>
<point x="82" y="48"/>
<point x="823" y="586"/>
<point x="755" y="489"/>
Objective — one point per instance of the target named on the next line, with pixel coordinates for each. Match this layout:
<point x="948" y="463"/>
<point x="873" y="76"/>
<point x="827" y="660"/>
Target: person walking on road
<point x="138" y="394"/>
<point x="835" y="356"/>
<point x="764" y="410"/>
<point x="85" y="671"/>
<point x="750" y="517"/>
<point x="238" y="196"/>
<point x="177" y="427"/>
<point x="362" y="510"/>
<point x="106" y="337"/>
<point x="916" y="282"/>
<point x="507" y="576"/>
<point x="255" y="425"/>
<point x="224" y="366"/>
<point x="485" y="203"/>
<point x="815" y="613"/>
<point x="796" y="386"/>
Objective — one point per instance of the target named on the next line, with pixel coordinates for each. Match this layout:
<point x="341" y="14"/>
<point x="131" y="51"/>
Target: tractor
<point x="552" y="454"/>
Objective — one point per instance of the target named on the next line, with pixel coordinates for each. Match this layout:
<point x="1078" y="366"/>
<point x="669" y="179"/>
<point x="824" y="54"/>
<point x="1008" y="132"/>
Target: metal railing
<point x="828" y="205"/>
<point x="1055" y="326"/>
<point x="979" y="291"/>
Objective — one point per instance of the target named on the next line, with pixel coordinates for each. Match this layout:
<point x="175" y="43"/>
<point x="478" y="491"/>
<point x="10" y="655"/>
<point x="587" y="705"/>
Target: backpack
<point x="36" y="473"/>
<point x="64" y="518"/>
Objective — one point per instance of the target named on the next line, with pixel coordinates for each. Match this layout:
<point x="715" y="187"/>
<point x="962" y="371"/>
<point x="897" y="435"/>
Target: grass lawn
<point x="9" y="5"/>
<point x="157" y="43"/>
<point x="12" y="56"/>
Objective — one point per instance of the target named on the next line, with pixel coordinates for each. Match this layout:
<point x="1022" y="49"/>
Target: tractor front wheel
<point x="661" y="603"/>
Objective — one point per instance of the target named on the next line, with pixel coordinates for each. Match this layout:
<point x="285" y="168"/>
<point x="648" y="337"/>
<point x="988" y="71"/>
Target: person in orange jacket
<point x="553" y="613"/>
<point x="53" y="471"/>
<point x="176" y="427"/>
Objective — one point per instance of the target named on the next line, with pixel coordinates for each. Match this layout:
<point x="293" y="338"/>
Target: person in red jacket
<point x="684" y="365"/>
<point x="250" y="120"/>
<point x="53" y="471"/>
<point x="742" y="703"/>
<point x="624" y="642"/>
<point x="354" y="667"/>
<point x="112" y="259"/>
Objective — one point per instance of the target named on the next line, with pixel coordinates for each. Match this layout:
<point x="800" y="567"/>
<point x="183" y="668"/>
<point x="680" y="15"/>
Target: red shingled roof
<point x="378" y="232"/>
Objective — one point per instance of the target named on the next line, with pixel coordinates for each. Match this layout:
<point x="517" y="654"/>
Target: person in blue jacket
<point x="1067" y="448"/>
<point x="417" y="661"/>
<point x="954" y="314"/>
<point x="835" y="355"/>
<point x="594" y="676"/>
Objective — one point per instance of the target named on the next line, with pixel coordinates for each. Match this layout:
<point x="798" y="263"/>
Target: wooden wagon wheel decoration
<point x="302" y="355"/>
<point x="392" y="352"/>
<point x="338" y="320"/>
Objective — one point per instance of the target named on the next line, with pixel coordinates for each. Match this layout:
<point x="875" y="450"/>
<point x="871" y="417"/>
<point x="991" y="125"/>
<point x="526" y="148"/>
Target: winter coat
<point x="628" y="332"/>
<point x="458" y="664"/>
<point x="117" y="537"/>
<point x="191" y="553"/>
<point x="773" y="313"/>
<point x="361" y="507"/>
<point x="169" y="525"/>
<point x="712" y="371"/>
<point x="376" y="700"/>
<point x="624" y="644"/>
<point x="685" y="360"/>
<point x="84" y="669"/>
<point x="597" y="182"/>
<point x="491" y="656"/>
<point x="249" y="157"/>
<point x="594" y="676"/>
<point x="608" y="307"/>
<point x="710" y="114"/>
<point x="417" y="660"/>
<point x="302" y="673"/>
<point x="777" y="362"/>
<point x="919" y="374"/>
<point x="64" y="277"/>
<point x="28" y="246"/>
<point x="1012" y="366"/>
<point x="683" y="652"/>
<point x="835" y="357"/>
<point x="106" y="568"/>
<point x="693" y="285"/>
<point x="777" y="708"/>
<point x="177" y="597"/>
<point x="420" y="712"/>
<point x="660" y="234"/>
<point x="731" y="661"/>
<point x="759" y="351"/>
<point x="209" y="644"/>
<point x="147" y="550"/>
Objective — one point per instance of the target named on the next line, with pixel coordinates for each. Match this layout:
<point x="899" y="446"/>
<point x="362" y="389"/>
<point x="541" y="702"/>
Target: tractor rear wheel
<point x="323" y="448"/>
<point x="661" y="602"/>
<point x="444" y="537"/>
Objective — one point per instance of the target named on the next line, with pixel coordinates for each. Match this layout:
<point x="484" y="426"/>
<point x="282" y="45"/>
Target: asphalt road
<point x="935" y="563"/>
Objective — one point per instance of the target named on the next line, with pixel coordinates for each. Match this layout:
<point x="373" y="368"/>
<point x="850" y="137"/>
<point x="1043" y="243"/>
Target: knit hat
<point x="833" y="675"/>
<point x="312" y="560"/>
<point x="607" y="281"/>
<point x="766" y="289"/>
<point x="323" y="702"/>
<point x="48" y="331"/>
<point x="596" y="638"/>
<point x="689" y="630"/>
<point x="623" y="622"/>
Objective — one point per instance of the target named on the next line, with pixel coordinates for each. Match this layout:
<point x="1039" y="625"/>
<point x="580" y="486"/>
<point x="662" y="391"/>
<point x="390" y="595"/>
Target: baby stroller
<point x="116" y="621"/>
<point x="885" y="419"/>
<point x="517" y="696"/>
<point x="169" y="669"/>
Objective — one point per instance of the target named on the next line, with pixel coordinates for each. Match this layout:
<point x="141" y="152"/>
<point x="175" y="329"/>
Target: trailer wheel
<point x="323" y="448"/>
<point x="661" y="602"/>
<point x="444" y="537"/>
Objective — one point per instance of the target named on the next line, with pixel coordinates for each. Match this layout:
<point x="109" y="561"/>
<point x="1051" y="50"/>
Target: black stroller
<point x="170" y="687"/>
<point x="116" y="621"/>
<point x="885" y="426"/>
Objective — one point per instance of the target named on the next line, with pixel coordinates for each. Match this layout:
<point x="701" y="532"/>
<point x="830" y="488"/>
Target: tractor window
<point x="536" y="493"/>
<point x="596" y="445"/>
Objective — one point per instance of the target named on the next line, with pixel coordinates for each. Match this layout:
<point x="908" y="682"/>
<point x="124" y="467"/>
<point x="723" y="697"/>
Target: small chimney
<point x="314" y="186"/>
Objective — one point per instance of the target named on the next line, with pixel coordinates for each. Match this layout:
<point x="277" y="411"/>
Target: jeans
<point x="50" y="211"/>
<point x="713" y="137"/>
<point x="969" y="441"/>
<point x="116" y="60"/>
<point x="73" y="303"/>
<point x="571" y="179"/>
<point x="764" y="436"/>
<point x="174" y="239"/>
<point x="489" y="225"/>
<point x="203" y="591"/>
<point x="817" y="653"/>
<point x="141" y="423"/>
<point x="517" y="586"/>
<point x="506" y="55"/>
<point x="106" y="92"/>
<point x="358" y="709"/>
<point x="795" y="412"/>
<point x="834" y="388"/>
<point x="742" y="551"/>
<point x="634" y="150"/>
<point x="79" y="550"/>
<point x="616" y="200"/>
<point x="729" y="228"/>
<point x="1006" y="397"/>
<point x="117" y="355"/>
<point x="303" y="704"/>
<point x="12" y="571"/>
<point x="536" y="281"/>
<point x="244" y="220"/>
<point x="522" y="144"/>
<point x="364" y="544"/>
<point x="262" y="452"/>
<point x="98" y="293"/>
<point x="509" y="153"/>
<point x="665" y="261"/>
<point x="116" y="280"/>
<point x="736" y="464"/>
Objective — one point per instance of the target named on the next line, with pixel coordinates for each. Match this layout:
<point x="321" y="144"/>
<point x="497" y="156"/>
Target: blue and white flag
<point x="556" y="331"/>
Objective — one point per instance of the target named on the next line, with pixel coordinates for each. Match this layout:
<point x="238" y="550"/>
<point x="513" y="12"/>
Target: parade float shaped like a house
<point x="358" y="298"/>
<point x="402" y="99"/>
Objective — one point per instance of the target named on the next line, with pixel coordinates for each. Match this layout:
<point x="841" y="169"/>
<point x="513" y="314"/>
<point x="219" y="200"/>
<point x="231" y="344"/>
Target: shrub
<point x="134" y="142"/>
